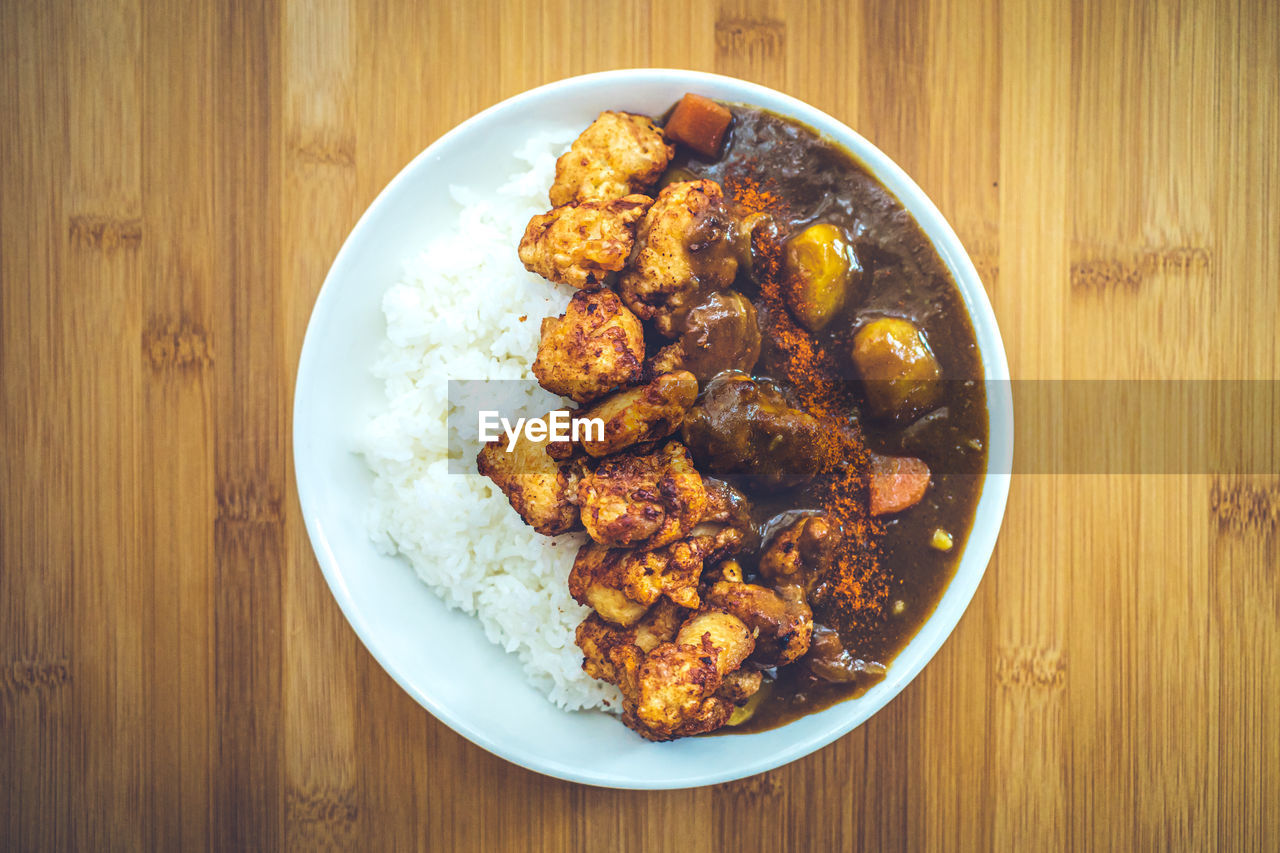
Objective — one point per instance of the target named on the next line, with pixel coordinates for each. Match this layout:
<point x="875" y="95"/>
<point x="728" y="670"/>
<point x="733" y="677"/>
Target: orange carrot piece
<point x="897" y="482"/>
<point x="699" y="123"/>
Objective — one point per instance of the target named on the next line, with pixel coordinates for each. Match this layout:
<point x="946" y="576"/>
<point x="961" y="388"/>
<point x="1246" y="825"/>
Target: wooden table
<point x="178" y="176"/>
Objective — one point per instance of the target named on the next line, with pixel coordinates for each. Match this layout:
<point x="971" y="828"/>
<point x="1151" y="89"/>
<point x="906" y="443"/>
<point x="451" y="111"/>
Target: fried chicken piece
<point x="599" y="580"/>
<point x="684" y="248"/>
<point x="618" y="154"/>
<point x="740" y="685"/>
<point x="802" y="553"/>
<point x="583" y="242"/>
<point x="542" y="489"/>
<point x="647" y="413"/>
<point x="725" y="570"/>
<point x="592" y="348"/>
<point x="781" y="619"/>
<point x="672" y="692"/>
<point x="620" y="583"/>
<point x="608" y="649"/>
<point x="642" y="501"/>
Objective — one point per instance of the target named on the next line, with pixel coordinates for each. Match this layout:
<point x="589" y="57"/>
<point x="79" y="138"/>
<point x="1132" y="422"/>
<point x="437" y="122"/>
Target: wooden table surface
<point x="177" y="177"/>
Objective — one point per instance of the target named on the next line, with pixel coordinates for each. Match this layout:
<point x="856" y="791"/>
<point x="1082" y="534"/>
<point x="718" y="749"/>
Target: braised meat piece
<point x="744" y="426"/>
<point x="719" y="333"/>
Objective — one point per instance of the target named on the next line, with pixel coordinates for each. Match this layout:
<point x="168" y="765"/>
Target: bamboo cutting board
<point x="177" y="177"/>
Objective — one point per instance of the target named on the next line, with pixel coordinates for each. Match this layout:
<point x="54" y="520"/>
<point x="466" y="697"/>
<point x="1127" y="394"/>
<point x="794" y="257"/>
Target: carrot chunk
<point x="897" y="482"/>
<point x="699" y="123"/>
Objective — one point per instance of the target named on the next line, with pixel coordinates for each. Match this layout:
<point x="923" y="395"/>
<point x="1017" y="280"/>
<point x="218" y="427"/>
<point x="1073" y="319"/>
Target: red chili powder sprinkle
<point x="857" y="588"/>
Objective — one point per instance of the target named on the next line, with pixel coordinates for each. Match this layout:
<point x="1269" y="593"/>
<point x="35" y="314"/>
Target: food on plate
<point x="721" y="332"/>
<point x="674" y="690"/>
<point x="633" y="500"/>
<point x="646" y="413"/>
<point x="700" y="123"/>
<point x="897" y="483"/>
<point x="684" y="248"/>
<point x="745" y="426"/>
<point x="582" y="243"/>
<point x="541" y="488"/>
<point x="594" y="347"/>
<point x="899" y="370"/>
<point x="820" y="268"/>
<point x="792" y="415"/>
<point x="617" y="155"/>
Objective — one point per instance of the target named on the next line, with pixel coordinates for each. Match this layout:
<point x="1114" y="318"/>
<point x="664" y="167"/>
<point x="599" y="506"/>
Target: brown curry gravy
<point x="903" y="276"/>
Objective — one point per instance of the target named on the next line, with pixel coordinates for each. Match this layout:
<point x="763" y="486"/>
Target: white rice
<point x="455" y="314"/>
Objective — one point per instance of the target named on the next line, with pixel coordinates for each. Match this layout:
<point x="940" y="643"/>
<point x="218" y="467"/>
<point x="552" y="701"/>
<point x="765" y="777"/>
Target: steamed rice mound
<point x="456" y="314"/>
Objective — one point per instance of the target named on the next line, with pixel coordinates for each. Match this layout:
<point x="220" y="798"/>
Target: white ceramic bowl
<point x="441" y="657"/>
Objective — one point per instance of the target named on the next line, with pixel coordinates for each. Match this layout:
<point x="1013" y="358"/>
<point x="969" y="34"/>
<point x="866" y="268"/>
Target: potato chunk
<point x="820" y="269"/>
<point x="591" y="349"/>
<point x="898" y="369"/>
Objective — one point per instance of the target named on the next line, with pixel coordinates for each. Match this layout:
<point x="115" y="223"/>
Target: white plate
<point x="441" y="657"/>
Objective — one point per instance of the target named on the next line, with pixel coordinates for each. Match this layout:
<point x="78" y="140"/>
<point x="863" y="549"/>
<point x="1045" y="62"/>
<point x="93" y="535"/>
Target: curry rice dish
<point x="794" y="419"/>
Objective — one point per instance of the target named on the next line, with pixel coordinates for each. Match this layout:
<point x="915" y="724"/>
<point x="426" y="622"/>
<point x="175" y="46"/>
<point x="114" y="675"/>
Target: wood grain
<point x="177" y="177"/>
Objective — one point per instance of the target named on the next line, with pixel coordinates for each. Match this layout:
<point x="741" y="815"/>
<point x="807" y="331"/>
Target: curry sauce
<point x="805" y="179"/>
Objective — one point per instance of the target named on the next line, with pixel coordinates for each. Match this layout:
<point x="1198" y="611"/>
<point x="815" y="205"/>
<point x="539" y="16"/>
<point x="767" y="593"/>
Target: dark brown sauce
<point x="903" y="276"/>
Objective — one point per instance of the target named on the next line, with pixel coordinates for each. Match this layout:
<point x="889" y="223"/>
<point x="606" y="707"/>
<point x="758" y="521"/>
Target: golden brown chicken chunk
<point x="606" y="648"/>
<point x="642" y="501"/>
<point x="684" y="248"/>
<point x="600" y="578"/>
<point x="582" y="243"/>
<point x="675" y="570"/>
<point x="595" y="346"/>
<point x="740" y="685"/>
<point x="621" y="583"/>
<point x="647" y="413"/>
<point x="618" y="154"/>
<point x="542" y="489"/>
<point x="781" y="619"/>
<point x="673" y="691"/>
